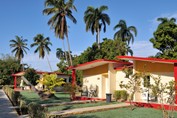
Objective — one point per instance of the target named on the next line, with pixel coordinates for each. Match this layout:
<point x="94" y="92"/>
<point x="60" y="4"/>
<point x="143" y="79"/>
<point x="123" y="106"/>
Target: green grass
<point x="124" y="113"/>
<point x="73" y="106"/>
<point x="30" y="96"/>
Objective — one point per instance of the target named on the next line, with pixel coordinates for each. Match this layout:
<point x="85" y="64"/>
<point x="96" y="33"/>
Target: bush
<point x="23" y="106"/>
<point x="117" y="95"/>
<point x="36" y="110"/>
<point x="13" y="95"/>
<point x="31" y="76"/>
<point x="120" y="95"/>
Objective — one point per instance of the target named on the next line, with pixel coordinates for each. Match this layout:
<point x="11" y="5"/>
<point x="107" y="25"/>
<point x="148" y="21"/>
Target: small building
<point x="163" y="68"/>
<point x="17" y="76"/>
<point x="101" y="76"/>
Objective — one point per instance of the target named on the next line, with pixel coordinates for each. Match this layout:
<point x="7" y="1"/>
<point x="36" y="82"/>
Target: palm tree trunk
<point x="21" y="63"/>
<point x="49" y="63"/>
<point x="66" y="57"/>
<point x="71" y="62"/>
<point x="98" y="38"/>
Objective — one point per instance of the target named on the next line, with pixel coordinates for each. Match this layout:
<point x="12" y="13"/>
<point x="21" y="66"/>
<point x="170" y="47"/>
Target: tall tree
<point x="165" y="38"/>
<point x="42" y="45"/>
<point x="8" y="66"/>
<point x="125" y="33"/>
<point x="60" y="54"/>
<point x="94" y="18"/>
<point x="60" y="10"/>
<point x="19" y="46"/>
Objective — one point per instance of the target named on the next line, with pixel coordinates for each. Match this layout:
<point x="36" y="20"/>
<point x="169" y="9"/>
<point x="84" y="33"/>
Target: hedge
<point x="33" y="109"/>
<point x="36" y="110"/>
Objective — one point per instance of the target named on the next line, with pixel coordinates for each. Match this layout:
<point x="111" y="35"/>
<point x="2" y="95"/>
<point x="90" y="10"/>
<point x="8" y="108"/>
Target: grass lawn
<point x="66" y="107"/>
<point x="124" y="113"/>
<point x="30" y="96"/>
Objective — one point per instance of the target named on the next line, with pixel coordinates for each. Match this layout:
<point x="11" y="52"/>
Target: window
<point x="147" y="81"/>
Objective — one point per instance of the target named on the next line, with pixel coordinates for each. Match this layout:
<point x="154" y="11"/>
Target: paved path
<point x="88" y="109"/>
<point x="6" y="108"/>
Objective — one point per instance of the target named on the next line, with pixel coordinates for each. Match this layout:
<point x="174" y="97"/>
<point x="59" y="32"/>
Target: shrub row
<point x="13" y="96"/>
<point x="33" y="109"/>
<point x="120" y="95"/>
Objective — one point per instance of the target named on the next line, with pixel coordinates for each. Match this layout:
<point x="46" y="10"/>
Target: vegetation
<point x="133" y="84"/>
<point x="109" y="50"/>
<point x="31" y="76"/>
<point x="71" y="89"/>
<point x="159" y="89"/>
<point x="42" y="44"/>
<point x="60" y="10"/>
<point x="36" y="110"/>
<point x="125" y="33"/>
<point x="19" y="46"/>
<point x="94" y="19"/>
<point x="120" y="95"/>
<point x="51" y="81"/>
<point x="8" y="66"/>
<point x="165" y="38"/>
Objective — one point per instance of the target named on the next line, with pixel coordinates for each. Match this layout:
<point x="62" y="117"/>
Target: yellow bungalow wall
<point x="162" y="70"/>
<point x="96" y="76"/>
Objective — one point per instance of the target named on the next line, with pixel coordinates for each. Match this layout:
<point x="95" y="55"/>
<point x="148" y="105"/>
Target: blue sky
<point x="25" y="18"/>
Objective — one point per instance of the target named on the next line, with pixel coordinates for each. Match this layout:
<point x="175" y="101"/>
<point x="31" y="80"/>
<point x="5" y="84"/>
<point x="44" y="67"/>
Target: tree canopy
<point x="125" y="33"/>
<point x="31" y="76"/>
<point x="19" y="46"/>
<point x="109" y="50"/>
<point x="61" y="10"/>
<point x="94" y="19"/>
<point x="8" y="66"/>
<point x="42" y="45"/>
<point x="165" y="39"/>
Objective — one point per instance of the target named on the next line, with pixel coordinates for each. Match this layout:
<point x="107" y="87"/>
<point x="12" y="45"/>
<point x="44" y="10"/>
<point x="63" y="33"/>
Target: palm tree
<point x="42" y="44"/>
<point x="125" y="33"/>
<point x="165" y="20"/>
<point x="60" y="54"/>
<point x="19" y="46"/>
<point x="60" y="10"/>
<point x="94" y="18"/>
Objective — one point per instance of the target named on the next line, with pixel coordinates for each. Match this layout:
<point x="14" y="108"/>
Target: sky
<point x="25" y="18"/>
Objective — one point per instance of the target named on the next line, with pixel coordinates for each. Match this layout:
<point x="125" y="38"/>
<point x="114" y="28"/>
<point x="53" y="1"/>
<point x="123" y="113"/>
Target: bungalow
<point x="100" y="77"/>
<point x="18" y="75"/>
<point x="165" y="69"/>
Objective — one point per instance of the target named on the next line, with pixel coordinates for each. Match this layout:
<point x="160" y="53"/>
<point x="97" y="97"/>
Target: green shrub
<point x="23" y="106"/>
<point x="120" y="95"/>
<point x="117" y="95"/>
<point x="13" y="95"/>
<point x="36" y="110"/>
<point x="124" y="95"/>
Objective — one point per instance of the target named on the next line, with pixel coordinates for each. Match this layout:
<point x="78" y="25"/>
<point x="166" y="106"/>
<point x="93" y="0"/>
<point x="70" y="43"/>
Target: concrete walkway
<point x="6" y="108"/>
<point x="88" y="109"/>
